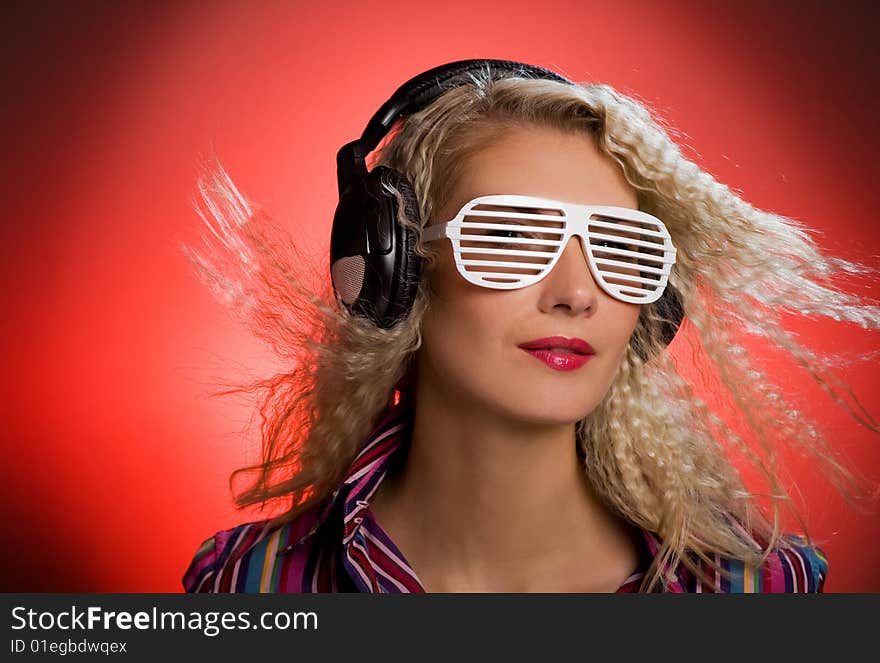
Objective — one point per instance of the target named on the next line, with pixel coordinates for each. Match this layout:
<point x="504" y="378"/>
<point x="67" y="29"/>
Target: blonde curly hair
<point x="655" y="452"/>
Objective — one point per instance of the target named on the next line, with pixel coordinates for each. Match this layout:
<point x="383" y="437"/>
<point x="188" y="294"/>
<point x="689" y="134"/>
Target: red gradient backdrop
<point x="115" y="460"/>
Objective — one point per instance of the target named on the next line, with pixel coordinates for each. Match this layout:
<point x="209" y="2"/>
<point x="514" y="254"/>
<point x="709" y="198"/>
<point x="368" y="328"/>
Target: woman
<point x="518" y="427"/>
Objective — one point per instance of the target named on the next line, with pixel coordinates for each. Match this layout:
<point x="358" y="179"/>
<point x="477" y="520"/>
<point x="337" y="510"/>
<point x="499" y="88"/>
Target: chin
<point x="553" y="416"/>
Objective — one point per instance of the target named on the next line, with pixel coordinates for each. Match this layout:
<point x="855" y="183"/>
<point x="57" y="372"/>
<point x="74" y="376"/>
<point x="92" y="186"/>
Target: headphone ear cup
<point x="373" y="265"/>
<point x="407" y="263"/>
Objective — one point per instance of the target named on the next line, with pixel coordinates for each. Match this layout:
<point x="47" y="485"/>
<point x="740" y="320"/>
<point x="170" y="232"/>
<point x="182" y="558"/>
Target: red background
<point x="115" y="461"/>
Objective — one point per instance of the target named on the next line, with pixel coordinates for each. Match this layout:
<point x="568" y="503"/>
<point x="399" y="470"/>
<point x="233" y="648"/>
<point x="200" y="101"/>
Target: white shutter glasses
<point x="513" y="241"/>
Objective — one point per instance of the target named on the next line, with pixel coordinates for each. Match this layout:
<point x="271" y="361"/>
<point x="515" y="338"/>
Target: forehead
<point x="548" y="163"/>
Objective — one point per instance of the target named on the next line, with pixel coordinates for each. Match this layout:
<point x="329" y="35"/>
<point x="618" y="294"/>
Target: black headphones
<point x="373" y="265"/>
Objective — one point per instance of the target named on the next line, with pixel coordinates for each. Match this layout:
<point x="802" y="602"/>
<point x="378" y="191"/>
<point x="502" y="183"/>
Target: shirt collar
<point x="370" y="466"/>
<point x="364" y="474"/>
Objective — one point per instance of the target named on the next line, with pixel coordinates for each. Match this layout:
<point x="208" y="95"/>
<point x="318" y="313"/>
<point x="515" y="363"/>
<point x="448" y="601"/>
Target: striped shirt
<point x="338" y="546"/>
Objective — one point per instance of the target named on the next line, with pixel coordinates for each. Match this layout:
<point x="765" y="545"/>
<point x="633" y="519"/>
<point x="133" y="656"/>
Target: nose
<point x="570" y="284"/>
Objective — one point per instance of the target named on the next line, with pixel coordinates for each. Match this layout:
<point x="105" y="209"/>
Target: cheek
<point x="464" y="335"/>
<point x="449" y="353"/>
<point x="626" y="317"/>
<point x="459" y="309"/>
<point x="463" y="323"/>
<point x="633" y="319"/>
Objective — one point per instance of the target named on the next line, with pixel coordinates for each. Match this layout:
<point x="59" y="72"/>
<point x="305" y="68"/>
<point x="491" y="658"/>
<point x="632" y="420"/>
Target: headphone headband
<point x="414" y="95"/>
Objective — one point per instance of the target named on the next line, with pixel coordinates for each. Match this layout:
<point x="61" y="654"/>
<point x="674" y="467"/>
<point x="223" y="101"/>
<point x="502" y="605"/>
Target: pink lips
<point x="559" y="352"/>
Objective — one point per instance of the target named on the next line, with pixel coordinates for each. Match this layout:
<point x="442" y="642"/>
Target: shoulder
<point x="795" y="567"/>
<point x="799" y="567"/>
<point x="792" y="567"/>
<point x="254" y="557"/>
<point x="214" y="553"/>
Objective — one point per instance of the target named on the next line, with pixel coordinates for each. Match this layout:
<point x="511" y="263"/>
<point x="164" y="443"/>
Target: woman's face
<point x="471" y="334"/>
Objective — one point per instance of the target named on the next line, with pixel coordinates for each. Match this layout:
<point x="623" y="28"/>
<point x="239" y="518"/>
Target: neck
<point x="485" y="501"/>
